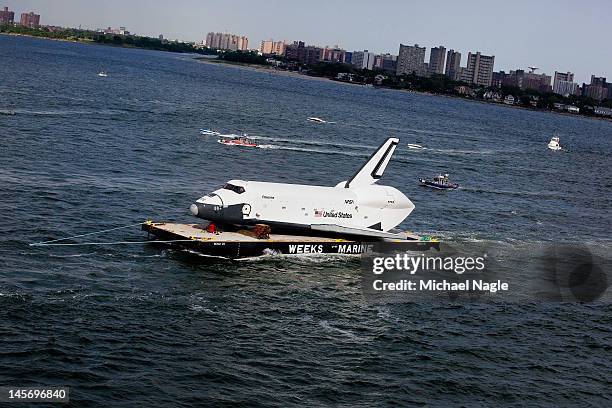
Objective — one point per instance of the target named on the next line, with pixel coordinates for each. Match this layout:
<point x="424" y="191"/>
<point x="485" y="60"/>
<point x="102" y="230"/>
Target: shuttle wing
<point x="374" y="168"/>
<point x="356" y="231"/>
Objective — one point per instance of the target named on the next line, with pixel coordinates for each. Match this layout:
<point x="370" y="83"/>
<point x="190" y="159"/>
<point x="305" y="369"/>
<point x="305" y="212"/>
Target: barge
<point x="240" y="244"/>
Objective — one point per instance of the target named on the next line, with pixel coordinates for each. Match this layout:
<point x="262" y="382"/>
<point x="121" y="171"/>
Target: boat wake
<point x="60" y="112"/>
<point x="268" y="146"/>
<point x="300" y="145"/>
<point x="415" y="146"/>
<point x="461" y="151"/>
<point x="313" y="142"/>
<point x="306" y="259"/>
<point x="341" y="148"/>
<point x="309" y="150"/>
<point x="542" y="194"/>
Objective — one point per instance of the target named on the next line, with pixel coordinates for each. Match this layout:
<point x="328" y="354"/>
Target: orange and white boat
<point x="238" y="141"/>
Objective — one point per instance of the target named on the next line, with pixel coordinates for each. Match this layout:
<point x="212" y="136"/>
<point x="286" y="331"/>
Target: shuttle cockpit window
<point x="235" y="189"/>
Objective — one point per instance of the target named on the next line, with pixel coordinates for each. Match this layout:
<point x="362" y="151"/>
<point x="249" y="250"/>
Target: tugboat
<point x="554" y="143"/>
<point x="440" y="182"/>
<point x="238" y="141"/>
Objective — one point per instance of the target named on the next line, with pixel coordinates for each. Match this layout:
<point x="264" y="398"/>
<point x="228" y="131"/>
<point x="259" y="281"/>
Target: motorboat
<point x="415" y="146"/>
<point x="238" y="141"/>
<point x="554" y="143"/>
<point x="316" y="120"/>
<point x="209" y="132"/>
<point x="440" y="182"/>
<point x="102" y="74"/>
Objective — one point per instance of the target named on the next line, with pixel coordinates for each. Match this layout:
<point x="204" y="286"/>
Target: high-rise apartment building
<point x="598" y="89"/>
<point x="224" y="41"/>
<point x="242" y="43"/>
<point x="453" y="64"/>
<point x="271" y="47"/>
<point x="436" y="60"/>
<point x="596" y="92"/>
<point x="528" y="80"/>
<point x="497" y="79"/>
<point x="479" y="69"/>
<point x="564" y="76"/>
<point x="386" y="62"/>
<point x="411" y="59"/>
<point x="363" y="59"/>
<point x="564" y="84"/>
<point x="566" y="88"/>
<point x="348" y="57"/>
<point x="334" y="54"/>
<point x="598" y="81"/>
<point x="30" y="20"/>
<point x="7" y="16"/>
<point x="300" y="52"/>
<point x="295" y="51"/>
<point x="312" y="55"/>
<point x="210" y="38"/>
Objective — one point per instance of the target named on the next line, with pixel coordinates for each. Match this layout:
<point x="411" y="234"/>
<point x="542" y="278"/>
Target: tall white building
<point x="564" y="83"/>
<point x="565" y="88"/>
<point x="363" y="59"/>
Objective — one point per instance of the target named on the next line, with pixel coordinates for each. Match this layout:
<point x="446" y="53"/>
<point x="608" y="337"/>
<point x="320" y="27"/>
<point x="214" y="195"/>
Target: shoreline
<point x="294" y="74"/>
<point x="87" y="41"/>
<point x="79" y="41"/>
<point x="268" y="69"/>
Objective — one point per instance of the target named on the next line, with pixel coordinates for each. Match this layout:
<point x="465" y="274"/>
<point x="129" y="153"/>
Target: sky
<point x="559" y="35"/>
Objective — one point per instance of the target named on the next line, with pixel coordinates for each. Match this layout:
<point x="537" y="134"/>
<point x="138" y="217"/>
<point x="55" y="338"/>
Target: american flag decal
<point x="318" y="213"/>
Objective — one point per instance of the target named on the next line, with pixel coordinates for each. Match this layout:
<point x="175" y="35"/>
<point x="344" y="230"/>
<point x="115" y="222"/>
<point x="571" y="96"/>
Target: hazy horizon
<point x="552" y="35"/>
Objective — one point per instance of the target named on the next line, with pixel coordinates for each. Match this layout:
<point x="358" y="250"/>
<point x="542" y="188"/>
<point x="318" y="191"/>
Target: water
<point x="147" y="326"/>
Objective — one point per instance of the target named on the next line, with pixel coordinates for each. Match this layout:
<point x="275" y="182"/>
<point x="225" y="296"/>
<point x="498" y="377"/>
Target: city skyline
<point x="555" y="36"/>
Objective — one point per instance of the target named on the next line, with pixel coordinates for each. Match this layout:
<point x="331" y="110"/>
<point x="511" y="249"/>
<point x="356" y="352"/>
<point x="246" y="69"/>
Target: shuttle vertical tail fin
<point x="374" y="168"/>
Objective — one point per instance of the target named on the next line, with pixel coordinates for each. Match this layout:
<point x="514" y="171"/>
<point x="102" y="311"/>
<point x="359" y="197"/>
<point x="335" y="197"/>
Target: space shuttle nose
<point x="194" y="209"/>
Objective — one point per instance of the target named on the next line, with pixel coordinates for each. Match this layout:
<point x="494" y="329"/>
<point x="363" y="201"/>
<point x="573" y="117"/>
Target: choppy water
<point x="147" y="326"/>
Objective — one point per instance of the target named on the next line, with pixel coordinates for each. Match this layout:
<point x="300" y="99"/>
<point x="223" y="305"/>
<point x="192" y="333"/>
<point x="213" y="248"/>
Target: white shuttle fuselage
<point x="357" y="206"/>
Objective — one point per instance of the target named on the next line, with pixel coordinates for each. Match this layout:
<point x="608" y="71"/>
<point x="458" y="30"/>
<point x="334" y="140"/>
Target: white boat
<point x="209" y="132"/>
<point x="554" y="143"/>
<point x="415" y="146"/>
<point x="316" y="120"/>
<point x="102" y="74"/>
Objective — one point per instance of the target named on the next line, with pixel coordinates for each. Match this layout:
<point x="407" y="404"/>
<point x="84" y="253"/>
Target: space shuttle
<point x="357" y="206"/>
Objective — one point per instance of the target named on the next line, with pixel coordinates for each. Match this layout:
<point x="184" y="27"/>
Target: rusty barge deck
<point x="238" y="244"/>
